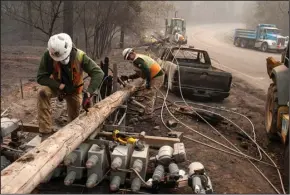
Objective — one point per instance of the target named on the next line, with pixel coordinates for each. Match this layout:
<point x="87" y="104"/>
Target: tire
<point x="244" y="43"/>
<point x="286" y="168"/>
<point x="271" y="111"/>
<point x="264" y="47"/>
<point x="237" y="42"/>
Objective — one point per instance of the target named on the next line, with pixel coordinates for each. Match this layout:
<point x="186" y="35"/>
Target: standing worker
<point x="150" y="70"/>
<point x="61" y="75"/>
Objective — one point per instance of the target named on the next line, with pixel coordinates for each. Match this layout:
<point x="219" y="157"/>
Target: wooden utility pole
<point x="68" y="17"/>
<point x="26" y="173"/>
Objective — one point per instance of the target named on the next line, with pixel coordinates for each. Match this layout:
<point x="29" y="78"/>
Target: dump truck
<point x="176" y="26"/>
<point x="277" y="105"/>
<point x="265" y="37"/>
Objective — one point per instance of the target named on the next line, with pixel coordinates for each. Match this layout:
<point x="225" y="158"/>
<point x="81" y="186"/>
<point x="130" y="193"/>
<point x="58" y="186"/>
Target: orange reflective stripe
<point x="151" y="64"/>
<point x="154" y="69"/>
<point x="76" y="68"/>
<point x="57" y="71"/>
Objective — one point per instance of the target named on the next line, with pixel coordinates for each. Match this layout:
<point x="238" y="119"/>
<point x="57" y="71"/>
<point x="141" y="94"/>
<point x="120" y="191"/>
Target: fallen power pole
<point x="31" y="169"/>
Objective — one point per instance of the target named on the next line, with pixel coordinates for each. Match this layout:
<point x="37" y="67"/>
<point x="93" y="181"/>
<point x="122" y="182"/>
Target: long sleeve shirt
<point x="46" y="69"/>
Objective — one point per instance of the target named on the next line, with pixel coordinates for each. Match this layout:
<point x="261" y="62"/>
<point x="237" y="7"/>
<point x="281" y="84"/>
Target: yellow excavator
<point x="176" y="29"/>
<point x="277" y="106"/>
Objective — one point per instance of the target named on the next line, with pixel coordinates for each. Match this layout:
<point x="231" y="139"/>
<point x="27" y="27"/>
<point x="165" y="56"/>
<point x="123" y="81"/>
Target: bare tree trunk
<point x="68" y="18"/>
<point x="122" y="38"/>
<point x="30" y="31"/>
<point x="25" y="26"/>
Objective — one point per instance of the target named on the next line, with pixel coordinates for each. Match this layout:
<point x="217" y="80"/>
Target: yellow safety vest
<point x="153" y="66"/>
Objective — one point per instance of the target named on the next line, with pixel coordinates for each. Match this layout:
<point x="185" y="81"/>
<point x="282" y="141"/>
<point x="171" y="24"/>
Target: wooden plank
<point x="22" y="176"/>
<point x="29" y="128"/>
<point x="120" y="128"/>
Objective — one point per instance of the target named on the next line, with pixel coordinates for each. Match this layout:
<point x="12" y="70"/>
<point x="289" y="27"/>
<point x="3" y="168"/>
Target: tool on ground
<point x="124" y="137"/>
<point x="130" y="138"/>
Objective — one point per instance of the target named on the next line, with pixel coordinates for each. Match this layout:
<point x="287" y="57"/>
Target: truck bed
<point x="245" y="33"/>
<point x="210" y="79"/>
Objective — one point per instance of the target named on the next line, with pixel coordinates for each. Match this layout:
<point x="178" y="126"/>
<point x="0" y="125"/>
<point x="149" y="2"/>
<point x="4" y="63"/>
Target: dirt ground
<point x="229" y="174"/>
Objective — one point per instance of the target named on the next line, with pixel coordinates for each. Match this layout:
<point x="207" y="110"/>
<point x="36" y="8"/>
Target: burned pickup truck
<point x="198" y="78"/>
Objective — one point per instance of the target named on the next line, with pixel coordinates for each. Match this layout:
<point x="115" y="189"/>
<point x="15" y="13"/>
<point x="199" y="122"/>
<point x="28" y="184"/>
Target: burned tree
<point x="68" y="17"/>
<point x="42" y="15"/>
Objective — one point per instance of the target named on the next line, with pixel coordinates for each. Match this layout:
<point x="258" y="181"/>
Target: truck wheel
<point x="237" y="42"/>
<point x="244" y="43"/>
<point x="271" y="111"/>
<point x="286" y="168"/>
<point x="264" y="47"/>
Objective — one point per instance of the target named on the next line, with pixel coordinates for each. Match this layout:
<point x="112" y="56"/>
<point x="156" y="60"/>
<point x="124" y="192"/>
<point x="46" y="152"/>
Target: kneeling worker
<point x="150" y="70"/>
<point x="61" y="74"/>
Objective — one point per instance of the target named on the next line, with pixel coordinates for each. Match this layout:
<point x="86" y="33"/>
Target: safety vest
<point x="153" y="66"/>
<point x="76" y="67"/>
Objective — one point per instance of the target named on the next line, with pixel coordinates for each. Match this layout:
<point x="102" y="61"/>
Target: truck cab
<point x="269" y="34"/>
<point x="265" y="37"/>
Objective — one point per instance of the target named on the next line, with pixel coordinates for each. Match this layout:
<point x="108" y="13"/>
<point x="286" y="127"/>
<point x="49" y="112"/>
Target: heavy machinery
<point x="177" y="26"/>
<point x="265" y="37"/>
<point x="277" y="105"/>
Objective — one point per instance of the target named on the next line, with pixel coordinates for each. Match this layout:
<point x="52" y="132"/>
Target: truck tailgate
<point x="216" y="80"/>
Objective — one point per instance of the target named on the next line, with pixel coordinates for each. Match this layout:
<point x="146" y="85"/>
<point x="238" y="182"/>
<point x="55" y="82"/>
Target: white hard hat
<point x="126" y="52"/>
<point x="59" y="46"/>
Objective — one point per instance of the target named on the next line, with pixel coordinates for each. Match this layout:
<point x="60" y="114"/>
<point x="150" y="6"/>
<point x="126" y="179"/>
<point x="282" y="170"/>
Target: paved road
<point x="248" y="64"/>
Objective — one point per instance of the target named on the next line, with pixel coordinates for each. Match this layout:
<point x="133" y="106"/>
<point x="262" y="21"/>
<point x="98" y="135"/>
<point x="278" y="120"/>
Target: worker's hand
<point x="61" y="86"/>
<point x="86" y="101"/>
<point x="124" y="78"/>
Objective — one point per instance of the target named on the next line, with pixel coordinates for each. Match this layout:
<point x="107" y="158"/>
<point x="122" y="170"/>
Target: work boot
<point x="44" y="136"/>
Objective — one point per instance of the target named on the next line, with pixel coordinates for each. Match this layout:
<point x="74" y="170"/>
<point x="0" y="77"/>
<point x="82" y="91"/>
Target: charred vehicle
<point x="198" y="78"/>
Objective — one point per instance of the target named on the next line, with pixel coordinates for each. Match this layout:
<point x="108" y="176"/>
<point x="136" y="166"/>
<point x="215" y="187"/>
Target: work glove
<point x="124" y="78"/>
<point x="86" y="101"/>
